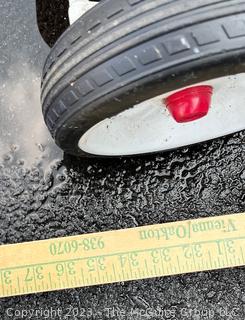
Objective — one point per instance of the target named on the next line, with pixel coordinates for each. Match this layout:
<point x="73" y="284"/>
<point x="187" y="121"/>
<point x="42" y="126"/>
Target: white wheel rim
<point x="148" y="127"/>
<point x="77" y="8"/>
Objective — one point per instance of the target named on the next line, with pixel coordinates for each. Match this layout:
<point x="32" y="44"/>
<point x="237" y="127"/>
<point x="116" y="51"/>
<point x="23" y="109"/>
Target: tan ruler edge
<point x="122" y="255"/>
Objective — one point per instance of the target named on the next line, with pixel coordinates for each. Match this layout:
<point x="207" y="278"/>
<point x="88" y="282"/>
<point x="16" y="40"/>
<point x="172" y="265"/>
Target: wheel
<point x="110" y="82"/>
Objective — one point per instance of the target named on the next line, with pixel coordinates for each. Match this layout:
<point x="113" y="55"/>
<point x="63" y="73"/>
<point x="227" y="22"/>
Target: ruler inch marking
<point x="180" y="269"/>
<point x="241" y="249"/>
<point x="3" y="285"/>
<point x="66" y="275"/>
<point x="83" y="278"/>
<point x="34" y="278"/>
<point x="50" y="280"/>
<point x="114" y="271"/>
<point x="18" y="283"/>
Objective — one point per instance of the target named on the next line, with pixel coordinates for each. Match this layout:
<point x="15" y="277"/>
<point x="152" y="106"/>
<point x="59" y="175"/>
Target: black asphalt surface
<point x="44" y="194"/>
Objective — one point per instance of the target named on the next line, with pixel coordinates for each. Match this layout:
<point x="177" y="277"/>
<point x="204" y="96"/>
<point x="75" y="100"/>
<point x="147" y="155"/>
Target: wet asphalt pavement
<point x="44" y="194"/>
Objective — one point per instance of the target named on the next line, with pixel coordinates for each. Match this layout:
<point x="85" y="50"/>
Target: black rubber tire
<point x="122" y="52"/>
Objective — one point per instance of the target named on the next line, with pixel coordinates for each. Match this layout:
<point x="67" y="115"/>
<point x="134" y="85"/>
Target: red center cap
<point x="190" y="104"/>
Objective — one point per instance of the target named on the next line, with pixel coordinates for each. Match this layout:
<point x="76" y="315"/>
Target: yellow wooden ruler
<point x="123" y="255"/>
